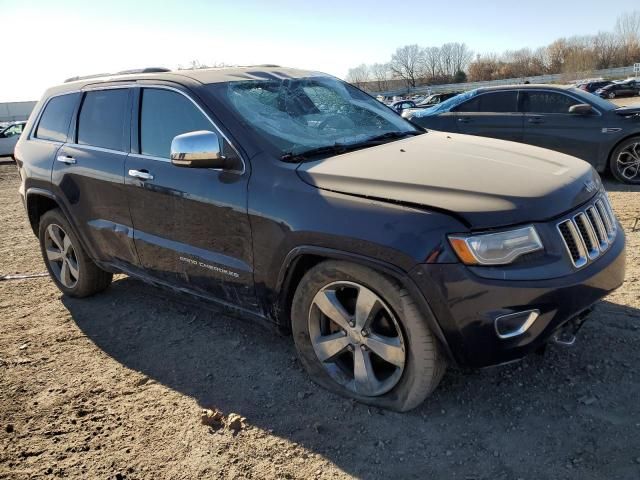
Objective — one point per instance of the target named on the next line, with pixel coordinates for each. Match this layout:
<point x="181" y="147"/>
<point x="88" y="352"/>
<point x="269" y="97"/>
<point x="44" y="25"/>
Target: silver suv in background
<point x="9" y="136"/>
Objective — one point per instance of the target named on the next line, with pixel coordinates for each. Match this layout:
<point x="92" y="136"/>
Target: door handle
<point x="69" y="160"/>
<point x="535" y="120"/>
<point x="464" y="119"/>
<point x="141" y="174"/>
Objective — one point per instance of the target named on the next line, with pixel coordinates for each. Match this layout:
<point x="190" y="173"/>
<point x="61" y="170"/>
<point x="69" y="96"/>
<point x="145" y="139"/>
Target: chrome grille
<point x="588" y="233"/>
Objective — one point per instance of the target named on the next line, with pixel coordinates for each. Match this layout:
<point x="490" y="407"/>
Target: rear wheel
<point x="359" y="334"/>
<point x="73" y="272"/>
<point x="612" y="95"/>
<point x="625" y="161"/>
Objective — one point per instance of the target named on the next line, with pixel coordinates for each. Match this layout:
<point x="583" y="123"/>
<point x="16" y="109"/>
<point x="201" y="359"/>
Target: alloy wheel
<point x="628" y="162"/>
<point x="357" y="338"/>
<point x="61" y="256"/>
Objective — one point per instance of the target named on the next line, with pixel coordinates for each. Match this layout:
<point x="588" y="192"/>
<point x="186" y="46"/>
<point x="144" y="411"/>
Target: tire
<point x="422" y="365"/>
<point x="61" y="250"/>
<point x="624" y="161"/>
<point x="612" y="95"/>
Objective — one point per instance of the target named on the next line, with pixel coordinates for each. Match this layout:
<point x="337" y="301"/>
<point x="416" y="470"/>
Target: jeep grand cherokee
<point x="294" y="198"/>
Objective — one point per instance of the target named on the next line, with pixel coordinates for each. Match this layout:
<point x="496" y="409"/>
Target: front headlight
<point x="496" y="248"/>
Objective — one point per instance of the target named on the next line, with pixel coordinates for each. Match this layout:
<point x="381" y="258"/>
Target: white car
<point x="9" y="137"/>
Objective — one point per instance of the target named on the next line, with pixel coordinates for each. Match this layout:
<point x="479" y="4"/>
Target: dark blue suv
<point x="296" y="199"/>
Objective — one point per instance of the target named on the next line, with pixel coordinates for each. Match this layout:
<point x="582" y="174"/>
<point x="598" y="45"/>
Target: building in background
<point x="13" y="111"/>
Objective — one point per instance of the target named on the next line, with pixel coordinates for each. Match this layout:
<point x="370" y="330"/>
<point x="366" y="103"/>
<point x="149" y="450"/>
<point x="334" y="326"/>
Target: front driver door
<point x="549" y="124"/>
<point x="191" y="226"/>
<point x="491" y="114"/>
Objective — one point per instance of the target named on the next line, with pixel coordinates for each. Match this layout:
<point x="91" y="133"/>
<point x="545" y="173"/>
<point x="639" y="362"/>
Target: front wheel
<point x="359" y="334"/>
<point x="625" y="161"/>
<point x="73" y="272"/>
<point x="612" y="95"/>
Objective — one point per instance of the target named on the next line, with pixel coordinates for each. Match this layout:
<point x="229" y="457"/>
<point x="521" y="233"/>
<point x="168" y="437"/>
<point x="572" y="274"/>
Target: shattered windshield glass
<point x="300" y="115"/>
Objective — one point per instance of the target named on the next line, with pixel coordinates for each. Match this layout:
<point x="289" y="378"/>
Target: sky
<point x="48" y="41"/>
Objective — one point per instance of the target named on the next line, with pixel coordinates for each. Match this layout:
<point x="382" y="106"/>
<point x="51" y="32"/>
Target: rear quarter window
<point x="56" y="118"/>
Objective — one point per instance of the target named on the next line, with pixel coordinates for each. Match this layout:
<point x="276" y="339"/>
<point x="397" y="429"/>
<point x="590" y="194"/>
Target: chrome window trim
<point x="149" y="157"/>
<point x="215" y="126"/>
<point x="94" y="148"/>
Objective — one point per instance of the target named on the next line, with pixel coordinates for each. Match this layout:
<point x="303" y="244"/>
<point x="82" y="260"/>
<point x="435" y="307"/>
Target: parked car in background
<point x="624" y="88"/>
<point x="9" y="137"/>
<point x="299" y="200"/>
<point x="565" y="119"/>
<point x="435" y="99"/>
<point x="384" y="99"/>
<point x="401" y="105"/>
<point x="591" y="87"/>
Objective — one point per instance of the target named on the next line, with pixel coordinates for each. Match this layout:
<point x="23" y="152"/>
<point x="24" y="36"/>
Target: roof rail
<point x="123" y="72"/>
<point x="143" y="70"/>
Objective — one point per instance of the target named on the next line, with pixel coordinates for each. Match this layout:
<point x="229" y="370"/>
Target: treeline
<point x="413" y="65"/>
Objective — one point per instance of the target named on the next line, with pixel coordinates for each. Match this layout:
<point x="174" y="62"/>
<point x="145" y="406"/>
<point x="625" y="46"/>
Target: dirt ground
<point x="114" y="386"/>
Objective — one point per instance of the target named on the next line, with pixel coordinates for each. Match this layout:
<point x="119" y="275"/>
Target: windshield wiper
<point x="392" y="135"/>
<point x="338" y="148"/>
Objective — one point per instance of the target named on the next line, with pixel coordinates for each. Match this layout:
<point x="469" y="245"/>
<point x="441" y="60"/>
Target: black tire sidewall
<point x="402" y="396"/>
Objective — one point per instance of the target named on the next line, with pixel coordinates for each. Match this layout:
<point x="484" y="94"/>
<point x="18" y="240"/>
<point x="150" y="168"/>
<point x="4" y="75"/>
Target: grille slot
<point x="598" y="224"/>
<point x="573" y="242"/>
<point x="589" y="232"/>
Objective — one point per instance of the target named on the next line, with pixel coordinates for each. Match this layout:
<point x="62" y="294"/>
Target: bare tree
<point x="461" y="57"/>
<point x="606" y="48"/>
<point x="628" y="31"/>
<point x="381" y="73"/>
<point x="358" y="76"/>
<point x="432" y="62"/>
<point x="408" y="63"/>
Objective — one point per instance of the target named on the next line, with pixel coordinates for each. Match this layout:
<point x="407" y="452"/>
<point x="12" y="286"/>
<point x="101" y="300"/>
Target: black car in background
<point x="591" y="87"/>
<point x="564" y="119"/>
<point x="626" y="88"/>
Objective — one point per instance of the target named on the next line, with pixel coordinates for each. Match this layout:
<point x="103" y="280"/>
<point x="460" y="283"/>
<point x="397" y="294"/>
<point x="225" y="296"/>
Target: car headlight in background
<point x="496" y="248"/>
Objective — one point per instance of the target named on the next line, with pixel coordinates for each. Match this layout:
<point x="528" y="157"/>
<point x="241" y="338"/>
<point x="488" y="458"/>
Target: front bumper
<point x="466" y="305"/>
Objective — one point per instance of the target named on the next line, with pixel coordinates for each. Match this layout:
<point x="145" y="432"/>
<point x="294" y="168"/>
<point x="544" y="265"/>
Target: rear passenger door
<point x="491" y="114"/>
<point x="89" y="174"/>
<point x="191" y="224"/>
<point x="549" y="124"/>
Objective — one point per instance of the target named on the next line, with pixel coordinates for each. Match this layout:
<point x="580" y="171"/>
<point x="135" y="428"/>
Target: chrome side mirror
<point x="200" y="149"/>
<point x="581" y="109"/>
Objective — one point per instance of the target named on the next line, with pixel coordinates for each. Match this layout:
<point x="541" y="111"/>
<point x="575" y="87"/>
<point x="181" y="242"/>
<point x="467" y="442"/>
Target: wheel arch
<point x="302" y="258"/>
<point x="38" y="202"/>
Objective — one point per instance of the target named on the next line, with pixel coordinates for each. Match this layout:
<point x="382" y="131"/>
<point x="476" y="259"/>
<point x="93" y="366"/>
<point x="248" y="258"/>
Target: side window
<point x="547" y="102"/>
<point x="102" y="118"/>
<point x="163" y="115"/>
<point x="56" y="118"/>
<point x="13" y="130"/>
<point x="496" y="102"/>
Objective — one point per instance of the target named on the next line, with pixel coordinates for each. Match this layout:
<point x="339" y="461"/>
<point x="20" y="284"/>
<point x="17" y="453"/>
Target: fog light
<point x="514" y="324"/>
